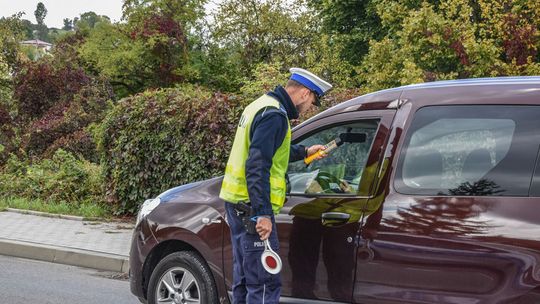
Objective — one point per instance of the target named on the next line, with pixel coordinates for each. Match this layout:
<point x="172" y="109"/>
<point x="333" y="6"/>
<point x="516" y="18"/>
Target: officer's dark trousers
<point x="251" y="283"/>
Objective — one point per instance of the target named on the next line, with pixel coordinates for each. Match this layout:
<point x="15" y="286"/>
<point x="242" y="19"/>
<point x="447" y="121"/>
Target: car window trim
<point x="317" y="195"/>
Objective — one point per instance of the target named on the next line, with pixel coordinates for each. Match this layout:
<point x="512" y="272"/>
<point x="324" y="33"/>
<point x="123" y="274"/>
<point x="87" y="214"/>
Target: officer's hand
<point x="264" y="227"/>
<point x="314" y="149"/>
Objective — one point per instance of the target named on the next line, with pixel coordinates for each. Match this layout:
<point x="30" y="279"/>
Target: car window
<point x="470" y="150"/>
<point x="341" y="170"/>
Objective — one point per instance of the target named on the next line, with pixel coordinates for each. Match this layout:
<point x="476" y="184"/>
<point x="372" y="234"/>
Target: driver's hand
<point x="345" y="187"/>
<point x="314" y="149"/>
<point x="314" y="187"/>
<point x="264" y="227"/>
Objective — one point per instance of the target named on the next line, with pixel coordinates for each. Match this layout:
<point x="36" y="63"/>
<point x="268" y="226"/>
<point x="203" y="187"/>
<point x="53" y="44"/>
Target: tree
<point x="150" y="50"/>
<point x="88" y="21"/>
<point x="90" y="18"/>
<point x="110" y="52"/>
<point x="28" y="29"/>
<point x="11" y="33"/>
<point x="215" y="67"/>
<point x="265" y="31"/>
<point x="40" y="13"/>
<point x="5" y="79"/>
<point x="165" y="27"/>
<point x="351" y="23"/>
<point x="452" y="39"/>
<point x="278" y="35"/>
<point x="324" y="57"/>
<point x="68" y="24"/>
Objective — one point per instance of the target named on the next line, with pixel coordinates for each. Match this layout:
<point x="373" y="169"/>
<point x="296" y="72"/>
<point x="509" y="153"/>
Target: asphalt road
<point x="27" y="281"/>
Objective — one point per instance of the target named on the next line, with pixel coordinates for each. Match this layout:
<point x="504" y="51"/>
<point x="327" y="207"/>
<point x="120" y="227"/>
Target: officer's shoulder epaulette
<point x="269" y="110"/>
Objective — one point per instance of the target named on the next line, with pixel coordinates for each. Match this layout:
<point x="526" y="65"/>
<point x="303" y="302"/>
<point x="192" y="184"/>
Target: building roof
<point x="36" y="42"/>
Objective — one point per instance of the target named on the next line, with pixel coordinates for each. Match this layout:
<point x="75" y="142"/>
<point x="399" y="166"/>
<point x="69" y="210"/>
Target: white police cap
<point x="310" y="81"/>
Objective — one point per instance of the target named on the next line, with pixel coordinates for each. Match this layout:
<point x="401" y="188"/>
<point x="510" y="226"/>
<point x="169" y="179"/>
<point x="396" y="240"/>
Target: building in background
<point x="35" y="49"/>
<point x="42" y="45"/>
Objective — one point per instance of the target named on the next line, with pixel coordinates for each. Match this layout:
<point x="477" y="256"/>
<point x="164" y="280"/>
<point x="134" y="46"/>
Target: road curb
<point x="53" y="215"/>
<point x="64" y="255"/>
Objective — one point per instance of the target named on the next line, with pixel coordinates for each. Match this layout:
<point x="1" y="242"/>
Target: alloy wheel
<point x="178" y="286"/>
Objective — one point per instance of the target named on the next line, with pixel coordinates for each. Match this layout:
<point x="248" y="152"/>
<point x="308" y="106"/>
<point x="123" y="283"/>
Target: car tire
<point x="182" y="277"/>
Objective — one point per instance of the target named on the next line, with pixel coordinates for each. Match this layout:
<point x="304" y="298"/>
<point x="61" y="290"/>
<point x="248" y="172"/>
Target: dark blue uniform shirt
<point x="267" y="133"/>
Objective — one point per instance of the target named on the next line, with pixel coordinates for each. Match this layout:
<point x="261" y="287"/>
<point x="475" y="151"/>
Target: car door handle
<point x="208" y="221"/>
<point x="336" y="216"/>
<point x="332" y="219"/>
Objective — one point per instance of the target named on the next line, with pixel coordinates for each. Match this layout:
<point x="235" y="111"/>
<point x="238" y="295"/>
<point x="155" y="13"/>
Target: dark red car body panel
<point x="475" y="250"/>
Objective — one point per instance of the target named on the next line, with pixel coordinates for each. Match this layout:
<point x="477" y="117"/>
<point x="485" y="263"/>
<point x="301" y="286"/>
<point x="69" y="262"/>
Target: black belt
<point x="243" y="209"/>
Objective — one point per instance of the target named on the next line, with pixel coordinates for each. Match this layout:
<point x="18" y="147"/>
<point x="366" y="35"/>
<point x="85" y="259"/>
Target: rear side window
<point x="470" y="150"/>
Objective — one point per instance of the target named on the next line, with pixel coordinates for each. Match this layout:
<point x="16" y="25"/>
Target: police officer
<point x="254" y="184"/>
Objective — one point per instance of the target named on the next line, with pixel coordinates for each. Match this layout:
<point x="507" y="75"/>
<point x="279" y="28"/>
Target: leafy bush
<point x="56" y="101"/>
<point x="163" y="138"/>
<point x="41" y="85"/>
<point x="6" y="133"/>
<point x="62" y="179"/>
<point x="80" y="143"/>
<point x="64" y="125"/>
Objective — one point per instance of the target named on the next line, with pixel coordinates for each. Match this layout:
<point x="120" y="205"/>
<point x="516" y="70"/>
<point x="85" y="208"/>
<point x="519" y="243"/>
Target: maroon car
<point x="436" y="200"/>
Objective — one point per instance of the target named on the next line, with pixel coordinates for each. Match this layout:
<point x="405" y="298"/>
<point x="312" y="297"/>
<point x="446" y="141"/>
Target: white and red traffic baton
<point x="270" y="259"/>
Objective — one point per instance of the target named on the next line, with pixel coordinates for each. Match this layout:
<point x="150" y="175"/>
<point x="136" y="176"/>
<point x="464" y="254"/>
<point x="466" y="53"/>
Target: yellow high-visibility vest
<point x="234" y="188"/>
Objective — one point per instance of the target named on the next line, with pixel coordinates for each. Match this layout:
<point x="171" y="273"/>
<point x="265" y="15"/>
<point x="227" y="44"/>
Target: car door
<point x="319" y="222"/>
<point x="458" y="224"/>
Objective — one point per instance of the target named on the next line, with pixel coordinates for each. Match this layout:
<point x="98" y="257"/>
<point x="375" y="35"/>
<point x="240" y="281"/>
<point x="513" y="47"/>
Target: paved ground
<point x="25" y="281"/>
<point x="72" y="240"/>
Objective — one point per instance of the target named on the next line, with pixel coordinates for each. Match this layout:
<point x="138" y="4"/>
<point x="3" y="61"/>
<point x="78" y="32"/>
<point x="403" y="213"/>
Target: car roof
<point x="475" y="81"/>
<point x="387" y="99"/>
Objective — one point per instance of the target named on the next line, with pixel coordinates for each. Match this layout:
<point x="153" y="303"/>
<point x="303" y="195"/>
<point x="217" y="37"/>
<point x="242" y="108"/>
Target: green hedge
<point x="61" y="179"/>
<point x="163" y="138"/>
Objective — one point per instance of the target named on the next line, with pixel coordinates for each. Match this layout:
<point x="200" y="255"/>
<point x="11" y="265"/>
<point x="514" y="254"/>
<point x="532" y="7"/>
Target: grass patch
<point x="83" y="209"/>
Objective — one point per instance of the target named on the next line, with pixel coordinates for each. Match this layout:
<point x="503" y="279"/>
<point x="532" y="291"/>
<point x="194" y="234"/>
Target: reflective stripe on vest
<point x="234" y="187"/>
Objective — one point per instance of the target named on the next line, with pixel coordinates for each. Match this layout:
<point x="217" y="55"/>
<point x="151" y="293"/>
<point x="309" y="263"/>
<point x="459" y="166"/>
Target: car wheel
<point x="182" y="278"/>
